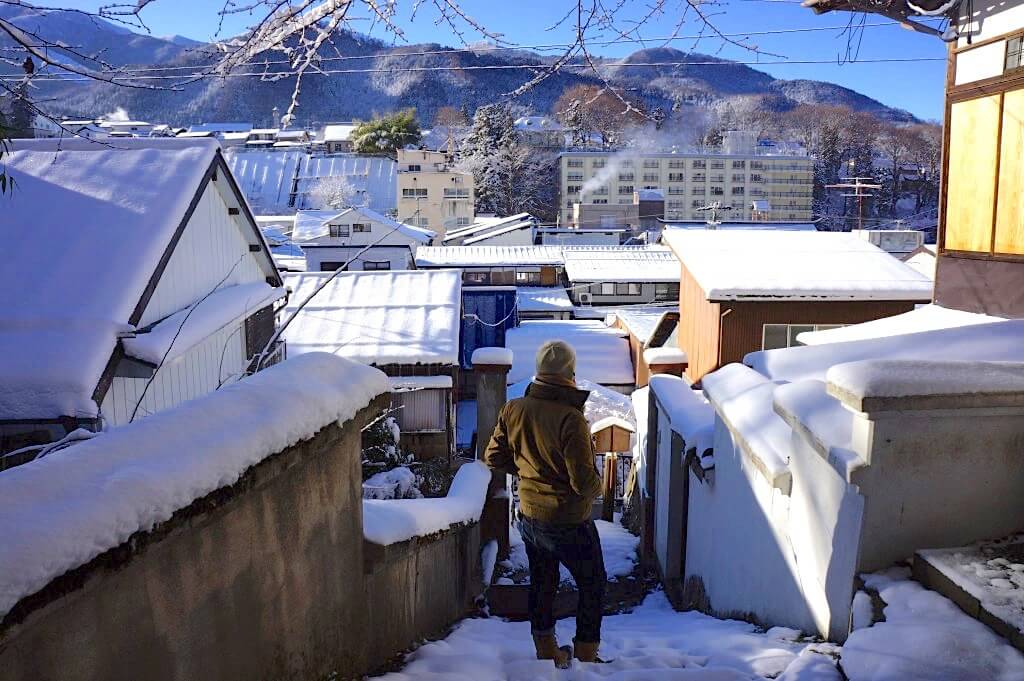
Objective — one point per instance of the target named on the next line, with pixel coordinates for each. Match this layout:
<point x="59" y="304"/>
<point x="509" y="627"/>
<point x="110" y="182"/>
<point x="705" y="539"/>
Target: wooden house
<point x="330" y="238"/>
<point x="620" y="275"/>
<point x="980" y="265"/>
<point x="742" y="291"/>
<point x="135" y="278"/>
<point x="497" y="265"/>
<point x="405" y="323"/>
<point x="650" y="331"/>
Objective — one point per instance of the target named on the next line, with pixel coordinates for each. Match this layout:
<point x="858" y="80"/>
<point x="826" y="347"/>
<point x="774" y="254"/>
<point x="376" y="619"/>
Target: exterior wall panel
<point x="971" y="184"/>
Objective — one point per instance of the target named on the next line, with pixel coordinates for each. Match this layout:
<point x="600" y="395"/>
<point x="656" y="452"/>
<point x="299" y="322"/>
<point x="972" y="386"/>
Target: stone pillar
<point x="491" y="367"/>
<point x="666" y="360"/>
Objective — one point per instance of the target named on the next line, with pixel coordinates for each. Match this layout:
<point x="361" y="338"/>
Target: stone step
<point x="986" y="581"/>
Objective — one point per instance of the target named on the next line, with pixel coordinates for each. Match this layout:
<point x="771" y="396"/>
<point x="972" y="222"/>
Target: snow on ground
<point x="617" y="544"/>
<point x="925" y="637"/>
<point x="653" y="642"/>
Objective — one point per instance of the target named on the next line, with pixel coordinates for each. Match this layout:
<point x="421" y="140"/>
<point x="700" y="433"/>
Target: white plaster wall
<point x="940" y="478"/>
<point x="738" y="542"/>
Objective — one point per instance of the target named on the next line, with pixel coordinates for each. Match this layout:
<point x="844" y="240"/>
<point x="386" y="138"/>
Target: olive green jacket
<point x="544" y="439"/>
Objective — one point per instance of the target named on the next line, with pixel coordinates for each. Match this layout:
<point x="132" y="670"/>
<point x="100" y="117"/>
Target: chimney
<point x="491" y="367"/>
<point x="275" y="115"/>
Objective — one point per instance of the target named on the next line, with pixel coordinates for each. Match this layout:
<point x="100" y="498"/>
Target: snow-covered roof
<point x="923" y="259"/>
<point x="996" y="342"/>
<point x="650" y="194"/>
<point x="392" y="317"/>
<point x="774" y="265"/>
<point x="620" y="264"/>
<point x="491" y="226"/>
<point x="542" y="299"/>
<point x="923" y="318"/>
<point x="311" y="224"/>
<point x="538" y="123"/>
<point x="488" y="256"/>
<point x="339" y="132"/>
<point x="91" y="224"/>
<point x="767" y="226"/>
<point x="602" y="353"/>
<point x="641" y="322"/>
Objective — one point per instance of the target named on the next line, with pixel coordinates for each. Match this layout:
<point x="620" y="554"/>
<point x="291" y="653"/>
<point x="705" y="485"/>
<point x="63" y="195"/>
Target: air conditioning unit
<point x="585" y="298"/>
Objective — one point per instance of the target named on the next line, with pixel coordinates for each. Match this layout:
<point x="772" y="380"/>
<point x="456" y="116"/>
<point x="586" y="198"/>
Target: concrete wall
<point x="266" y="579"/>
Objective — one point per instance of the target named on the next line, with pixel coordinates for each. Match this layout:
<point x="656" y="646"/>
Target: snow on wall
<point x="63" y="510"/>
<point x="924" y="318"/>
<point x="396" y="520"/>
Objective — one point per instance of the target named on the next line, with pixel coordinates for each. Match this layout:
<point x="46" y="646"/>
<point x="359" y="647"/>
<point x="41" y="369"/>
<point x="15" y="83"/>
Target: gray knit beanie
<point x="556" y="358"/>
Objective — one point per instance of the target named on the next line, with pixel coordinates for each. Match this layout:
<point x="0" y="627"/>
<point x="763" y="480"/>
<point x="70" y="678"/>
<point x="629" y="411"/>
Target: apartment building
<point x="431" y="194"/>
<point x="758" y="186"/>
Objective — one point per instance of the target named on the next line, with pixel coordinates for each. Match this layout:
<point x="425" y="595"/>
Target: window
<point x="627" y="164"/>
<point x="652" y="177"/>
<point x="736" y="165"/>
<point x="676" y="177"/>
<point x="414" y="193"/>
<point x="697" y="204"/>
<point x="338" y="231"/>
<point x="423" y="222"/>
<point x="737" y="191"/>
<point x="625" y="177"/>
<point x="607" y="289"/>
<point x="330" y="265"/>
<point x="574" y="163"/>
<point x="651" y="163"/>
<point x="477" y="278"/>
<point x="622" y="289"/>
<point x="718" y="165"/>
<point x="697" y="191"/>
<point x="462" y="222"/>
<point x="784" y="335"/>
<point x="575" y="177"/>
<point x="757" y="177"/>
<point x="739" y="177"/>
<point x="528" y="278"/>
<point x="414" y="168"/>
<point x="360" y="227"/>
<point x="665" y="292"/>
<point x="1013" y="53"/>
<point x="599" y="163"/>
<point x="676" y="164"/>
<point x="375" y="265"/>
<point x="626" y="189"/>
<point x="700" y="165"/>
<point x="456" y="193"/>
<point x="717" y="191"/>
<point x="573" y="189"/>
<point x="699" y="177"/>
<point x="676" y="191"/>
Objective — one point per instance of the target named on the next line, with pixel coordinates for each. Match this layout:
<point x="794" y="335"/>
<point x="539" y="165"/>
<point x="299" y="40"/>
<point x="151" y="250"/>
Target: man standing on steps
<point x="544" y="440"/>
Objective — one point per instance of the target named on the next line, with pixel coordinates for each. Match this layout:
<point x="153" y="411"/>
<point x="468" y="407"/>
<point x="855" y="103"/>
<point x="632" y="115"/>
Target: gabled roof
<point x="310" y="224"/>
<point x="780" y="265"/>
<point x="395" y="317"/>
<point x="339" y="132"/>
<point x="491" y="226"/>
<point x="90" y="225"/>
<point x="543" y="299"/>
<point x="602" y="352"/>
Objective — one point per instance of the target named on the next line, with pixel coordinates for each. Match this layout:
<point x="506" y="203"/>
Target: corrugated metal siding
<point x="698" y="327"/>
<point x="421" y="410"/>
<point x="197" y="372"/>
<point x="742" y="328"/>
<point x="210" y="246"/>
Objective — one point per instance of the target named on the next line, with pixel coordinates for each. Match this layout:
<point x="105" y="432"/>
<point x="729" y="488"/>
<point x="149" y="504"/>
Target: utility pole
<point x="860" y="188"/>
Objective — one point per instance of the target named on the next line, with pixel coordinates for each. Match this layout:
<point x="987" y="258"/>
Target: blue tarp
<point x="486" y="314"/>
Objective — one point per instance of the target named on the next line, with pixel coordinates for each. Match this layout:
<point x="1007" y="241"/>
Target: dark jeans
<point x="579" y="549"/>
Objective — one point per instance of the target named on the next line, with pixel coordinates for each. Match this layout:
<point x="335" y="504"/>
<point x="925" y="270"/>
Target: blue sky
<point x="915" y="86"/>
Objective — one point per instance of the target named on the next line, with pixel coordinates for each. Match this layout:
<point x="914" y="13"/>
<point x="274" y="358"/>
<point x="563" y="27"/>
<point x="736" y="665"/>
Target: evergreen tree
<point x="385" y="135"/>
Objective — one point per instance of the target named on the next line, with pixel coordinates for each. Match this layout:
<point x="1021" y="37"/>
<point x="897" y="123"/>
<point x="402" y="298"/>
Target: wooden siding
<point x="195" y="373"/>
<point x="211" y="245"/>
<point x="983" y="285"/>
<point x="698" y="327"/>
<point x="1009" y="233"/>
<point x="971" y="186"/>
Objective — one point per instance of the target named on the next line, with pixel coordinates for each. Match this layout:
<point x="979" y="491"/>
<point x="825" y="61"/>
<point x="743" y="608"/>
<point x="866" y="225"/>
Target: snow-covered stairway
<point x="985" y="580"/>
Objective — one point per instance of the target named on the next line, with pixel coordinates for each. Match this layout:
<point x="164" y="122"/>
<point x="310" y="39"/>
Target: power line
<point x="539" y="46"/>
<point x="493" y="67"/>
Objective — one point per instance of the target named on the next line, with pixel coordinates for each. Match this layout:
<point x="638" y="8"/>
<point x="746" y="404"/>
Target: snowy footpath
<point x="923" y="638"/>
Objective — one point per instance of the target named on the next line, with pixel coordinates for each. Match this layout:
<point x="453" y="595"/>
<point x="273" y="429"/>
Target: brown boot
<point x="547" y="649"/>
<point x="587" y="652"/>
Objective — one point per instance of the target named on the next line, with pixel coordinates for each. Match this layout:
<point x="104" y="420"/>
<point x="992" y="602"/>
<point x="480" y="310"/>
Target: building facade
<point x="780" y="184"/>
<point x="431" y="194"/>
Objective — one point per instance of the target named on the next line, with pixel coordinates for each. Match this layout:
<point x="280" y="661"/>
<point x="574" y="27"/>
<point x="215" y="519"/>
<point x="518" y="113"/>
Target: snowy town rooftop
<point x="93" y="223"/>
<point x="543" y="299"/>
<point x="484" y="256"/>
<point x="620" y="263"/>
<point x="923" y="318"/>
<point x="395" y="317"/>
<point x="312" y="224"/>
<point x="773" y="226"/>
<point x="339" y="132"/>
<point x="769" y="265"/>
<point x="602" y="352"/>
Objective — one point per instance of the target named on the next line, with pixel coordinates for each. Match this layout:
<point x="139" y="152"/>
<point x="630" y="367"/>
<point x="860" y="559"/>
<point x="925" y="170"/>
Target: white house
<point x="337" y="137"/>
<point x="621" y="275"/>
<point x="134" y="279"/>
<point x="405" y="323"/>
<point x="330" y="238"/>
